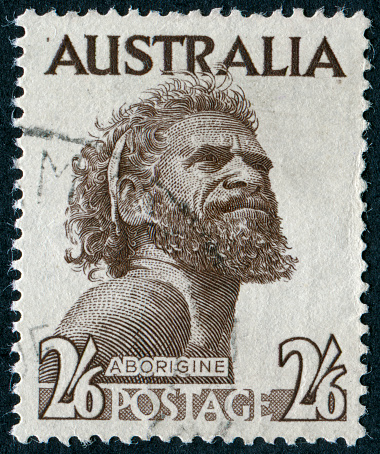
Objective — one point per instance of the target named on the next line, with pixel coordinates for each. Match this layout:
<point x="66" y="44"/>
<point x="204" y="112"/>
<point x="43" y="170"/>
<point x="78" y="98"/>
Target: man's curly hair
<point x="90" y="223"/>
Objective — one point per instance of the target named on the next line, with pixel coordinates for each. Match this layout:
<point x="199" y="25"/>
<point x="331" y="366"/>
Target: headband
<point x="113" y="177"/>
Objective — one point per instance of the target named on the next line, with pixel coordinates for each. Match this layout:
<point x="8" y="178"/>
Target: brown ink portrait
<point x="175" y="202"/>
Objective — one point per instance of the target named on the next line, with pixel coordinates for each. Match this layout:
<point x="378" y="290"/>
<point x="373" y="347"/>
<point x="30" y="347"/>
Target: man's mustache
<point x="222" y="206"/>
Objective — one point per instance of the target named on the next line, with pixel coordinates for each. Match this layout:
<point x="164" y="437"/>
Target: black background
<point x="9" y="72"/>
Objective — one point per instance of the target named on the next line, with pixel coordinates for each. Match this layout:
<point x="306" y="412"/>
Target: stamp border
<point x="9" y="213"/>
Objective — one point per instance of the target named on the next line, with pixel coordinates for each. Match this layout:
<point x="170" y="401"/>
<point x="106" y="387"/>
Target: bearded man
<point x="175" y="201"/>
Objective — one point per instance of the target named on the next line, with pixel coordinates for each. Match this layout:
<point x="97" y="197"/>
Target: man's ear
<point x="130" y="195"/>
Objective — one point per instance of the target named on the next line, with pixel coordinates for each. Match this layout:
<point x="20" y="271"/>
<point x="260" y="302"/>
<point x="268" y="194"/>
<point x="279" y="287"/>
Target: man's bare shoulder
<point x="142" y="316"/>
<point x="128" y="292"/>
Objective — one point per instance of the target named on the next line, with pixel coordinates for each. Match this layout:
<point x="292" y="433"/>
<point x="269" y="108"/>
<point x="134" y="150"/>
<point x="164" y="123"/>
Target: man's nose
<point x="238" y="182"/>
<point x="243" y="177"/>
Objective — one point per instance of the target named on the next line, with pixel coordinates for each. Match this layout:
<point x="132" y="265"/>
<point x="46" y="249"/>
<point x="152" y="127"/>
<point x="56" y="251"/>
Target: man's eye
<point x="209" y="158"/>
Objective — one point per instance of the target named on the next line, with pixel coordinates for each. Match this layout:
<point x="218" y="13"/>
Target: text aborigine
<point x="239" y="55"/>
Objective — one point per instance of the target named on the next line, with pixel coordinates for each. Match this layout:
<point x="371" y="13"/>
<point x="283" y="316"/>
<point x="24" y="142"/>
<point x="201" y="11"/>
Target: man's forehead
<point x="212" y="129"/>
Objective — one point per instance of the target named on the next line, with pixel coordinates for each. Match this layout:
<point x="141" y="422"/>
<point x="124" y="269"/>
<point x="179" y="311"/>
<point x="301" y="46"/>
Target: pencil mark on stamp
<point x="48" y="135"/>
<point x="32" y="335"/>
<point x="45" y="157"/>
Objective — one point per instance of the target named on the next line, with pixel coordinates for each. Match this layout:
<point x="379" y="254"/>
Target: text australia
<point x="138" y="60"/>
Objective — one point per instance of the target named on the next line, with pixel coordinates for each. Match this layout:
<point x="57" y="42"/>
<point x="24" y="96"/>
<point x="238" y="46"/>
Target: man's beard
<point x="245" y="244"/>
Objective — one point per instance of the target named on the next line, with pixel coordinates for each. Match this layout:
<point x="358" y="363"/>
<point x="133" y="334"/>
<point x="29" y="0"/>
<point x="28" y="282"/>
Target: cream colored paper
<point x="310" y="127"/>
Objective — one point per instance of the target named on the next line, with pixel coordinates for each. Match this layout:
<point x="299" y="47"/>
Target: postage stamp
<point x="191" y="230"/>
